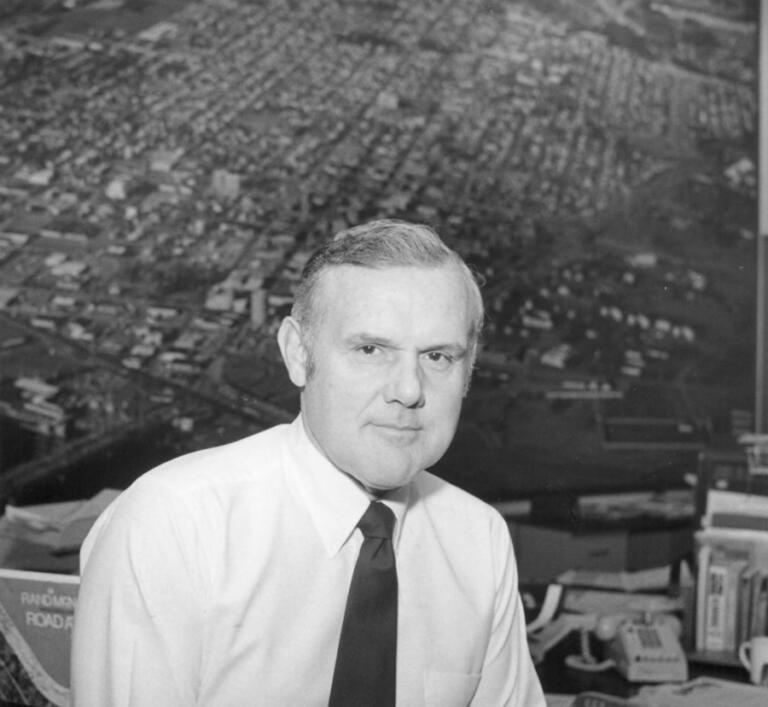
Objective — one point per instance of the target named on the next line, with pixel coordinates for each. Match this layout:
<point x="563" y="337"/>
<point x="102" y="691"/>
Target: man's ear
<point x="295" y="355"/>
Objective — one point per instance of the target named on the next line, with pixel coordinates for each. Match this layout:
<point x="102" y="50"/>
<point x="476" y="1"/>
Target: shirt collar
<point x="334" y="501"/>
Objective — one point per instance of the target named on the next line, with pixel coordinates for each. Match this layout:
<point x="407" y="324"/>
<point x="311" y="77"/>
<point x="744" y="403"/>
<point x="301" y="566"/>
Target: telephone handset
<point x="641" y="649"/>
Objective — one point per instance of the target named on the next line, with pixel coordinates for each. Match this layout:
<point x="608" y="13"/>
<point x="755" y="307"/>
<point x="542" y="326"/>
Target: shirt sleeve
<point x="508" y="678"/>
<point x="138" y="622"/>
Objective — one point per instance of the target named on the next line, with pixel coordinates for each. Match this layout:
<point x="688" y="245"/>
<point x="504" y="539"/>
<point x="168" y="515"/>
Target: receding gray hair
<point x="383" y="243"/>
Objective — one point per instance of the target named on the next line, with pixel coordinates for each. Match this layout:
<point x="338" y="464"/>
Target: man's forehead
<point x="344" y="285"/>
<point x="435" y="296"/>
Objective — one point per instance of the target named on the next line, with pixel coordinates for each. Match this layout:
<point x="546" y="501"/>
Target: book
<point x="746" y="521"/>
<point x="732" y="590"/>
<point x="731" y="604"/>
<point x="702" y="571"/>
<point x="686" y="590"/>
<point x="727" y="508"/>
<point x="714" y="607"/>
<point x="36" y="619"/>
<point x="759" y="610"/>
<point x="746" y="582"/>
<point x="728" y="557"/>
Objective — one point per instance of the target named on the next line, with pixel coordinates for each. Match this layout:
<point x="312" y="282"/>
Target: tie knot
<point x="378" y="521"/>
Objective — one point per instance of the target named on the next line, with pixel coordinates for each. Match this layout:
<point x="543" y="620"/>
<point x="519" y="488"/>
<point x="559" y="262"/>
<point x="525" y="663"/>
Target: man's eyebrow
<point x="364" y="337"/>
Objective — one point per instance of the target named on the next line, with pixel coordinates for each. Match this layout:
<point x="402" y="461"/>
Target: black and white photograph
<point x="459" y="303"/>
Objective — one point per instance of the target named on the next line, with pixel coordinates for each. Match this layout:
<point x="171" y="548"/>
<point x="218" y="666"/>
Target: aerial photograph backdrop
<point x="167" y="167"/>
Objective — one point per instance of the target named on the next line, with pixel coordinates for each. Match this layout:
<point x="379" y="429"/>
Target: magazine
<point x="36" y="619"/>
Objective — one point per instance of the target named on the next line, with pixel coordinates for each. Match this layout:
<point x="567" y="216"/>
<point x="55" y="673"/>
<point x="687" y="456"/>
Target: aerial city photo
<point x="167" y="167"/>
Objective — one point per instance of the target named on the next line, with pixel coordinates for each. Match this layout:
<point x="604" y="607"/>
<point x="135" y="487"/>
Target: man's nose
<point x="406" y="383"/>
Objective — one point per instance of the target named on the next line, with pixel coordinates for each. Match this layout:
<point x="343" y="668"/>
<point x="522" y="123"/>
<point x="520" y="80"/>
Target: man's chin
<point x="382" y="484"/>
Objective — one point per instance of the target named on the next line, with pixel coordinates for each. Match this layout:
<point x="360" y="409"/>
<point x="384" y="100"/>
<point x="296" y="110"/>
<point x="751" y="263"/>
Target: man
<point x="223" y="578"/>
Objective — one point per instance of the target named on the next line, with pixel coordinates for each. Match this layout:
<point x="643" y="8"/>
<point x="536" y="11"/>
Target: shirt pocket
<point x="449" y="689"/>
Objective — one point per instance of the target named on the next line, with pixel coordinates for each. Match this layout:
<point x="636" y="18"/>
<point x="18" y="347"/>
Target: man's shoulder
<point x="203" y="484"/>
<point x="247" y="458"/>
<point x="441" y="496"/>
<point x="469" y="530"/>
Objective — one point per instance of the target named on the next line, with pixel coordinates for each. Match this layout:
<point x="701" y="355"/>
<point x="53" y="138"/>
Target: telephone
<point x="648" y="651"/>
<point x="643" y="649"/>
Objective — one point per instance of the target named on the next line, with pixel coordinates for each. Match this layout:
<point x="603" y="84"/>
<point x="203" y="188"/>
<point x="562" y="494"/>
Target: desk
<point x="557" y="677"/>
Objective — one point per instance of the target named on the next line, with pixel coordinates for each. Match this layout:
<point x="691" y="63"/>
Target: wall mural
<point x="166" y="167"/>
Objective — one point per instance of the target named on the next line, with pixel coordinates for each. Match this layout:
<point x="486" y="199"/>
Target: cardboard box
<point x="544" y="551"/>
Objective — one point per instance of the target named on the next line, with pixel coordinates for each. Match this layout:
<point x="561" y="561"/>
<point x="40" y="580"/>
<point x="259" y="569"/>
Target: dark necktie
<point x="365" y="663"/>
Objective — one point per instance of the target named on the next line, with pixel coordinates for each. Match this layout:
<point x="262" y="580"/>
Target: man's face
<point x="391" y="358"/>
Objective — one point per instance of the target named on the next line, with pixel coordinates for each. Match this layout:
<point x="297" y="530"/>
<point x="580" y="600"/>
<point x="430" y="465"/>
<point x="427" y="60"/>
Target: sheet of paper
<point x="703" y="692"/>
<point x="598" y="601"/>
<point x="559" y="700"/>
<point x="555" y="631"/>
<point x="548" y="608"/>
<point x="649" y="579"/>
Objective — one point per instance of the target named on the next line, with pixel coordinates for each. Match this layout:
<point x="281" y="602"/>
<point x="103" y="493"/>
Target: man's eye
<point x="438" y="359"/>
<point x="368" y="349"/>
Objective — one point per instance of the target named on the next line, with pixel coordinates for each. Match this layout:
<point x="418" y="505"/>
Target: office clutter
<point x="732" y="554"/>
<point x="46" y="537"/>
<point x="630" y="533"/>
<point x="689" y="628"/>
<point x="642" y="648"/>
<point x="39" y="548"/>
<point x="700" y="692"/>
<point x="638" y="634"/>
<point x="612" y="556"/>
<point x="732" y="591"/>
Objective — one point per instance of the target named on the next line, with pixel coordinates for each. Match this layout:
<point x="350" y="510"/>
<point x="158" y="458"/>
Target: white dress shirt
<point x="220" y="579"/>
